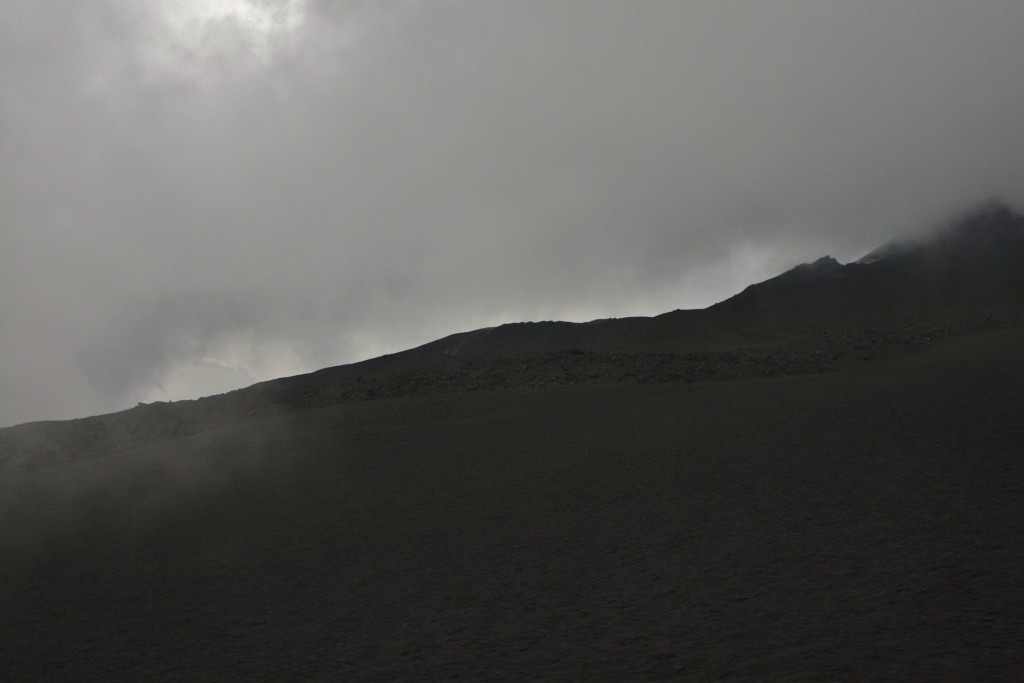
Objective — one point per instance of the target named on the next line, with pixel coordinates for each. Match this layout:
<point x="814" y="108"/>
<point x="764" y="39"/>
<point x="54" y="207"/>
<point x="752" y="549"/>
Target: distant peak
<point x="824" y="266"/>
<point x="823" y="262"/>
<point x="823" y="269"/>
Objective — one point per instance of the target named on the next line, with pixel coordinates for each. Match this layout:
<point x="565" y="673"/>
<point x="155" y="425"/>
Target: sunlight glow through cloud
<point x="196" y="39"/>
<point x="234" y="362"/>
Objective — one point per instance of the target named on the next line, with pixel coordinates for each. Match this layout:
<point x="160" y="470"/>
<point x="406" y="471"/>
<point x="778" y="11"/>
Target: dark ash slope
<point x="852" y="525"/>
<point x="819" y="479"/>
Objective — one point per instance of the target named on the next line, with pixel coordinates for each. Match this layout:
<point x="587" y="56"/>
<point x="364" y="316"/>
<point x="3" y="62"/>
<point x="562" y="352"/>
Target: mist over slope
<point x="972" y="261"/>
<point x="965" y="276"/>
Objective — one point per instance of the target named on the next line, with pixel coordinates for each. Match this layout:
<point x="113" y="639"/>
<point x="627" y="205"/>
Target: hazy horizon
<point x="200" y="195"/>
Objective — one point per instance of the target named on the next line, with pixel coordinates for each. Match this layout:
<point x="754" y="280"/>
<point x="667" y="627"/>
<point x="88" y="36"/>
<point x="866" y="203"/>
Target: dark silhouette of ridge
<point x="810" y="319"/>
<point x="976" y="259"/>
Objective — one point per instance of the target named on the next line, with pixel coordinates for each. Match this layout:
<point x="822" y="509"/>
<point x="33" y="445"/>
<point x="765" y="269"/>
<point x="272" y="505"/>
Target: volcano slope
<point x="860" y="524"/>
<point x="839" y="499"/>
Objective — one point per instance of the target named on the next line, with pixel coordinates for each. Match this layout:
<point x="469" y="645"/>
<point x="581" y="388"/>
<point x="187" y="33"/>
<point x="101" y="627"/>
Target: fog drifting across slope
<point x="191" y="200"/>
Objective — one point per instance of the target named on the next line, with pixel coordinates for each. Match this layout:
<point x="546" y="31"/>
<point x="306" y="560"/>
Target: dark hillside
<point x="820" y="478"/>
<point x="863" y="524"/>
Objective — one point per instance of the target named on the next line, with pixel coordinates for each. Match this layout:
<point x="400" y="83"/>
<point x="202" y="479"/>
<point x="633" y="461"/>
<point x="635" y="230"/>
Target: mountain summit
<point x="976" y="259"/>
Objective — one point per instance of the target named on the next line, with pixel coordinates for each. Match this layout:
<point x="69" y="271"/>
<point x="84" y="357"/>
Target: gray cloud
<point x="196" y="195"/>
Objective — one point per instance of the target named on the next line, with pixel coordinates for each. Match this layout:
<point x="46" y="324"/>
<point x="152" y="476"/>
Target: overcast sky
<point x="200" y="194"/>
